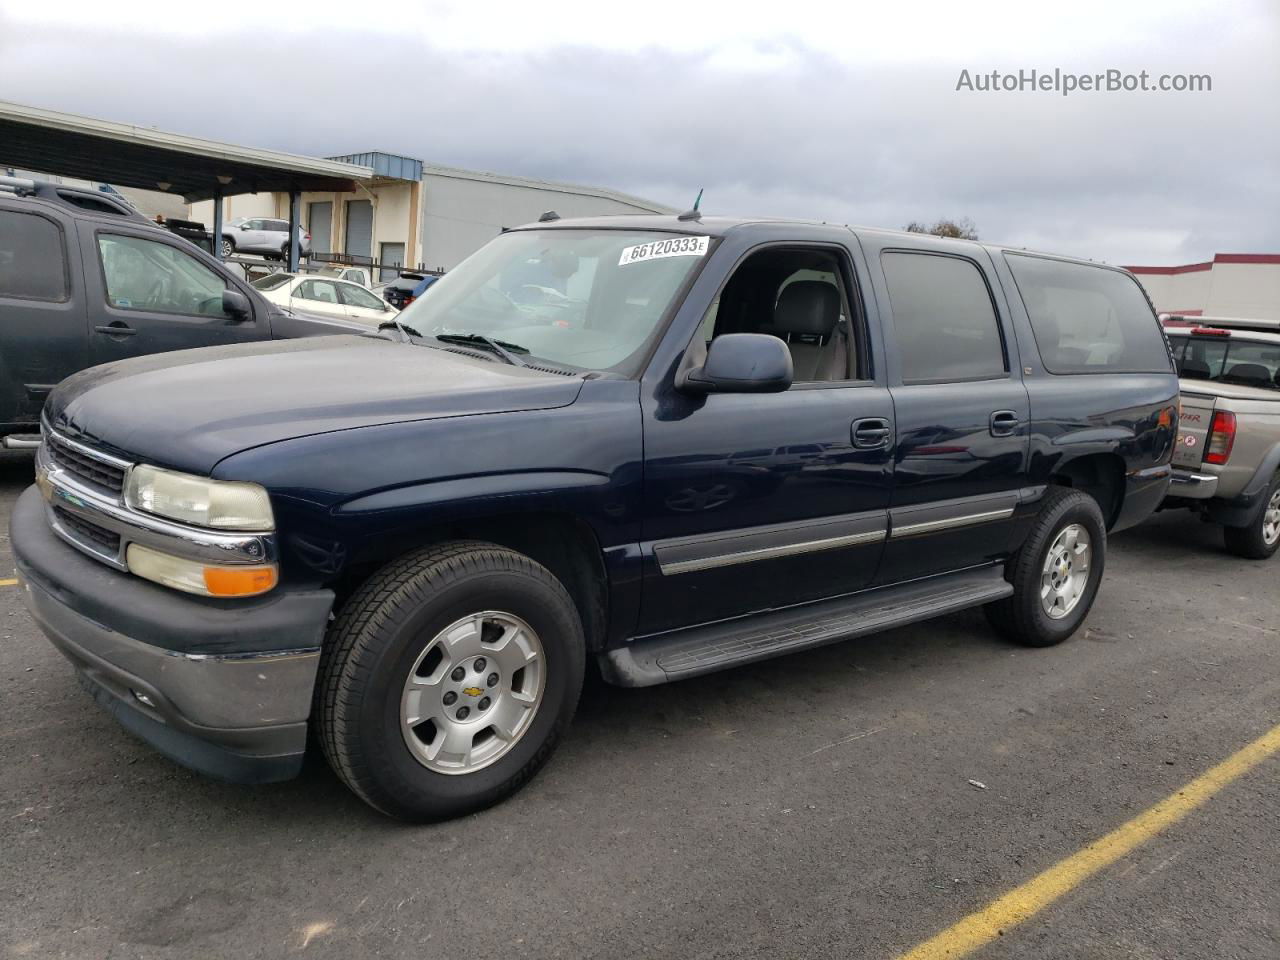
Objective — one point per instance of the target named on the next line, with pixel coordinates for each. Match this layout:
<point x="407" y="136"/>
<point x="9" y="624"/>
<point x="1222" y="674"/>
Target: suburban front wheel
<point x="447" y="680"/>
<point x="1056" y="572"/>
<point x="228" y="248"/>
<point x="1260" y="538"/>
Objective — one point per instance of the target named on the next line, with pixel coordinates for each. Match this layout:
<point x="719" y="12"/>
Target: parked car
<point x="358" y="275"/>
<point x="85" y="279"/>
<point x="1227" y="461"/>
<point x="671" y="445"/>
<point x="406" y="288"/>
<point x="326" y="296"/>
<point x="267" y="238"/>
<point x="189" y="230"/>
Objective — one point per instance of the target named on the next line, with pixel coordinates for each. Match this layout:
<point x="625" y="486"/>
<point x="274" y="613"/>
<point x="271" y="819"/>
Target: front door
<point x="962" y="411"/>
<point x="148" y="295"/>
<point x="363" y="305"/>
<point x="43" y="336"/>
<point x="760" y="501"/>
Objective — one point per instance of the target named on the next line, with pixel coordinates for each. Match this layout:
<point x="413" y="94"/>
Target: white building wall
<point x="1225" y="287"/>
<point x="461" y="214"/>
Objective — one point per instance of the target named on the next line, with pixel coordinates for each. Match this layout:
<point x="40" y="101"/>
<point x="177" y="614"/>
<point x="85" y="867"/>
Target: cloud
<point x="782" y="127"/>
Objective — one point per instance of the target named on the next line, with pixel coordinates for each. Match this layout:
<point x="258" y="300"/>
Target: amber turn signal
<point x="239" y="581"/>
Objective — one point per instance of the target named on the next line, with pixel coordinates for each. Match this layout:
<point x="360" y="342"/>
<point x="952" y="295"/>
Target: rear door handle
<point x="116" y="329"/>
<point x="1004" y="423"/>
<point x="871" y="433"/>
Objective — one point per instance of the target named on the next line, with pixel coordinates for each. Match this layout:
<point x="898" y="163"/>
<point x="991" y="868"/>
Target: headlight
<point x="217" y="504"/>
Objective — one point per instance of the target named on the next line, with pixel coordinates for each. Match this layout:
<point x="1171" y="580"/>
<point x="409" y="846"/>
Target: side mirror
<point x="235" y="304"/>
<point x="243" y="226"/>
<point x="741" y="363"/>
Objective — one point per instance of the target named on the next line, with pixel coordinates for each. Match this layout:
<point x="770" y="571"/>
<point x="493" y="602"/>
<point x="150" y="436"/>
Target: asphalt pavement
<point x="849" y="802"/>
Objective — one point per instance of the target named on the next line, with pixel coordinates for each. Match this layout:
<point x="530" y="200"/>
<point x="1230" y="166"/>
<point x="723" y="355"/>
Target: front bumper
<point x="223" y="687"/>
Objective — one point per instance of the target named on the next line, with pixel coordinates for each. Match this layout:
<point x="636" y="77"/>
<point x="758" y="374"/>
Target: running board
<point x="717" y="646"/>
<point x="22" y="441"/>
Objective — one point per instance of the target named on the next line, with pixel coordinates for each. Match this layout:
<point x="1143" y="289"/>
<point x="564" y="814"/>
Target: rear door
<point x="42" y="312"/>
<point x="319" y="296"/>
<point x="961" y="408"/>
<point x="148" y="293"/>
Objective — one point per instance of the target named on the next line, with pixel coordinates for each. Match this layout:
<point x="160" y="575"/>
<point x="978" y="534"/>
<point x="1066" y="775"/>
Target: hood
<point x="192" y="408"/>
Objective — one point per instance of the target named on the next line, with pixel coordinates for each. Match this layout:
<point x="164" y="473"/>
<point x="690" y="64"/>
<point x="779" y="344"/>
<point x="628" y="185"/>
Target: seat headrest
<point x="1252" y="372"/>
<point x="807" y="307"/>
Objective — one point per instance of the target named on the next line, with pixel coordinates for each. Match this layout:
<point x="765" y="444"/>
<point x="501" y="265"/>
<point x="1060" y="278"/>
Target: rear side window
<point x="33" y="264"/>
<point x="943" y="318"/>
<point x="1088" y="319"/>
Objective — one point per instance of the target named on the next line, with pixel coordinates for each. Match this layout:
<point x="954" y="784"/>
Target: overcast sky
<point x="843" y="112"/>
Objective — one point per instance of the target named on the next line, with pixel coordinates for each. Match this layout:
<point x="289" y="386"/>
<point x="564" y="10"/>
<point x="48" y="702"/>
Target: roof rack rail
<point x="18" y="185"/>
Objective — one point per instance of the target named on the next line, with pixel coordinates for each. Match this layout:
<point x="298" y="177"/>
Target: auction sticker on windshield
<point x="671" y="247"/>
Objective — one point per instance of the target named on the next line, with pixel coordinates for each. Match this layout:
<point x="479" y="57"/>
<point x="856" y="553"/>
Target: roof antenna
<point x="549" y="216"/>
<point x="693" y="213"/>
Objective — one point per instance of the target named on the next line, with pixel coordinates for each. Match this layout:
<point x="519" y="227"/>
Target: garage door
<point x="391" y="256"/>
<point x="359" y="228"/>
<point x="320" y="225"/>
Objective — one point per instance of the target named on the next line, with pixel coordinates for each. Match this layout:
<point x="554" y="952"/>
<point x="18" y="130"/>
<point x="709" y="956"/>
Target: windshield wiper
<point x="507" y="351"/>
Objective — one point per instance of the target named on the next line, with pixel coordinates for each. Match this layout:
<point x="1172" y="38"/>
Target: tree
<point x="962" y="229"/>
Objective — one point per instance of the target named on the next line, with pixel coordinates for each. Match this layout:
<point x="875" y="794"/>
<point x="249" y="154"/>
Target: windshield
<point x="581" y="299"/>
<point x="1248" y="363"/>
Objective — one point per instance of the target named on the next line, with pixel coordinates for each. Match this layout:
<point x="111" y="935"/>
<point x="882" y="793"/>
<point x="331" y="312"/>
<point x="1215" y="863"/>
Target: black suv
<point x="673" y="445"/>
<point x="86" y="279"/>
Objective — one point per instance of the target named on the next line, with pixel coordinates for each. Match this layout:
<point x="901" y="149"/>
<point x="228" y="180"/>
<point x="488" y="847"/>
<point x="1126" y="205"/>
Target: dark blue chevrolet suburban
<point x="671" y="444"/>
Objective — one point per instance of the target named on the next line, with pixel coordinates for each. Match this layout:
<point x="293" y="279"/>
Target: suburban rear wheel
<point x="1260" y="538"/>
<point x="1056" y="572"/>
<point x="447" y="680"/>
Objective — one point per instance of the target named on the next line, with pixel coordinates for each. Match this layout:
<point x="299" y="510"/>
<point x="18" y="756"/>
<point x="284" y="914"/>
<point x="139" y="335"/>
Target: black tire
<point x="374" y="643"/>
<point x="1022" y="617"/>
<point x="1250" y="541"/>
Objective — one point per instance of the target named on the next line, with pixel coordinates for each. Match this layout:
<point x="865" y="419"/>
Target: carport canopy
<point x="125" y="155"/>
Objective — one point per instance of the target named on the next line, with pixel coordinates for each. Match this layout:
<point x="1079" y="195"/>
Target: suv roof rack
<point x="96" y="201"/>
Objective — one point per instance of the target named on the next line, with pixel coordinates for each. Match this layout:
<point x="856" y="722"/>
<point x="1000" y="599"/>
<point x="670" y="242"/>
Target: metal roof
<point x="437" y="170"/>
<point x="132" y="156"/>
<point x="389" y="165"/>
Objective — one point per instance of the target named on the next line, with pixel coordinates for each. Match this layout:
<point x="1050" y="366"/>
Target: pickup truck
<point x="669" y="444"/>
<point x="85" y="279"/>
<point x="1227" y="461"/>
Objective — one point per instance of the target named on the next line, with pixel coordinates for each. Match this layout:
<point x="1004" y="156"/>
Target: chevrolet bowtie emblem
<point x="472" y="691"/>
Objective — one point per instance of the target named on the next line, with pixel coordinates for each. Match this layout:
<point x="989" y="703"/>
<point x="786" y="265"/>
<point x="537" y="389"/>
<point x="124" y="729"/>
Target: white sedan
<point x="326" y="296"/>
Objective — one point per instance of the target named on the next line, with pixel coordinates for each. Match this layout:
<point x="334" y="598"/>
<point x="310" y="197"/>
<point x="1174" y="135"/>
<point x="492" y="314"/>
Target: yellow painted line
<point x="1024" y="902"/>
<point x="8" y="583"/>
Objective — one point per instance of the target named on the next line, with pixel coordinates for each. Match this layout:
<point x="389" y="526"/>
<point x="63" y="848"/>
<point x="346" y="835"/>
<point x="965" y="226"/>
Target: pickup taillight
<point x="1222" y="437"/>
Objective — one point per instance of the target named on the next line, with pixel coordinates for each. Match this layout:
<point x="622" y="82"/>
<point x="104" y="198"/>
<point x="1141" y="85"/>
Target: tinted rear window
<point x="32" y="263"/>
<point x="1250" y="363"/>
<point x="1088" y="319"/>
<point x="943" y="319"/>
<point x="272" y="280"/>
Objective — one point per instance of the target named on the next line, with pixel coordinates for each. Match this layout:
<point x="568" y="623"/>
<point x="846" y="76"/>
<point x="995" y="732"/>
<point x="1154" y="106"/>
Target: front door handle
<point x="1004" y="423"/>
<point x="117" y="328"/>
<point x="871" y="433"/>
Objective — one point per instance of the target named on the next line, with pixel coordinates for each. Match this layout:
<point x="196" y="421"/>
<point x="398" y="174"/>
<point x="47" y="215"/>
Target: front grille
<point x="87" y="531"/>
<point x="87" y="468"/>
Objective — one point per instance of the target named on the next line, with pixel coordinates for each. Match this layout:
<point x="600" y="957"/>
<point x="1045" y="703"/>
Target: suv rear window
<point x="943" y="318"/>
<point x="1088" y="319"/>
<point x="33" y="265"/>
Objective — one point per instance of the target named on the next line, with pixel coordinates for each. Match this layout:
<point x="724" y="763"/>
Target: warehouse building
<point x="1229" y="285"/>
<point x="417" y="214"/>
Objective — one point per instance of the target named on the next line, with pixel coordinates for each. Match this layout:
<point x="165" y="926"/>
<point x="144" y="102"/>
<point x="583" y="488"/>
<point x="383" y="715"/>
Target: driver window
<point x="155" y="277"/>
<point x="797" y="295"/>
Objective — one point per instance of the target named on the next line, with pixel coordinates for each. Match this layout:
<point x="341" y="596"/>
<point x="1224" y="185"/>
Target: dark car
<point x="85" y="279"/>
<point x="406" y="288"/>
<point x="670" y="445"/>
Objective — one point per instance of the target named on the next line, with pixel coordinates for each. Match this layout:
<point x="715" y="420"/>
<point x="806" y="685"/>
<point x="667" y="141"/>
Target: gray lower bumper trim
<point x="255" y="704"/>
<point x="1197" y="486"/>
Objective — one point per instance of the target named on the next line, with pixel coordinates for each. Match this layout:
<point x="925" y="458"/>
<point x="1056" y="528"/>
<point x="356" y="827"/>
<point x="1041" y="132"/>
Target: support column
<point x="295" y="203"/>
<point x="217" y="222"/>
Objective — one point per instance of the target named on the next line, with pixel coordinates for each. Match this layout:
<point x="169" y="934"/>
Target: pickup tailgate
<point x="1193" y="430"/>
